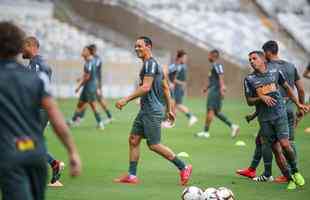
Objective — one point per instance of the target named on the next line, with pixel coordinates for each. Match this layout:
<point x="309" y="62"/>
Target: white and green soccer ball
<point x="224" y="193"/>
<point x="192" y="193"/>
<point x="210" y="194"/>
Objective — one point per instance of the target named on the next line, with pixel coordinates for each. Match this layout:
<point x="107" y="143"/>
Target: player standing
<point x="261" y="89"/>
<point x="152" y="90"/>
<point x="216" y="91"/>
<point x="37" y="64"/>
<point x="306" y="74"/>
<point x="22" y="151"/>
<point x="88" y="94"/>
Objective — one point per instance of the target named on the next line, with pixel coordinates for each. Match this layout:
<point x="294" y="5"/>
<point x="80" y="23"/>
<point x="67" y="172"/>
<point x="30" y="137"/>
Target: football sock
<point x="223" y="118"/>
<point x="257" y="156"/>
<point x="267" y="157"/>
<point x="206" y="128"/>
<point x="108" y="113"/>
<point x="76" y="116"/>
<point x="178" y="163"/>
<point x="188" y="115"/>
<point x="133" y="168"/>
<point x="97" y="116"/>
<point x="291" y="159"/>
<point x="82" y="114"/>
<point x="50" y="159"/>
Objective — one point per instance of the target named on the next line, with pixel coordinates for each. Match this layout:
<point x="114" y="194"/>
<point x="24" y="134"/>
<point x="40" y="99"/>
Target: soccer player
<point x="179" y="82"/>
<point x="22" y="151"/>
<point x="153" y="90"/>
<point x="262" y="90"/>
<point x="88" y="95"/>
<point x="100" y="99"/>
<point x="37" y="64"/>
<point x="216" y="91"/>
<point x="290" y="72"/>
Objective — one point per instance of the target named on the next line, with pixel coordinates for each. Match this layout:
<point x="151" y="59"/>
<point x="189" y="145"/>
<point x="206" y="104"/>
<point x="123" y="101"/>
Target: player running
<point x="88" y="94"/>
<point x="100" y="98"/>
<point x="38" y="64"/>
<point x="216" y="92"/>
<point x="261" y="89"/>
<point x="179" y="68"/>
<point x="23" y="171"/>
<point x="153" y="90"/>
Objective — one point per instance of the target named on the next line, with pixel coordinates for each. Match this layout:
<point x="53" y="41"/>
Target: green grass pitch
<point x="105" y="156"/>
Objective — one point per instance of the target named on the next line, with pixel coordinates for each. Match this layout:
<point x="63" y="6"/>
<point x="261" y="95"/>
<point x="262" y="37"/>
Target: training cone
<point x="240" y="143"/>
<point x="183" y="154"/>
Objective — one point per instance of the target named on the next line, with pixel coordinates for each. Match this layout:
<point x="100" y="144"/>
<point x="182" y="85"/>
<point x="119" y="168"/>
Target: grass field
<point x="105" y="156"/>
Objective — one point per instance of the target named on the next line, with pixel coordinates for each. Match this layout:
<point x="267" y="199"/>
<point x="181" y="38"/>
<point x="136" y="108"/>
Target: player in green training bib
<point x="154" y="92"/>
<point x="216" y="91"/>
<point x="88" y="94"/>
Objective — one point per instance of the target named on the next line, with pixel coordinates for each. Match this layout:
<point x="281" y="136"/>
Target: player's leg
<point x="179" y="95"/>
<point x="97" y="116"/>
<point x="251" y="170"/>
<point x="267" y="138"/>
<point x="104" y="106"/>
<point x="152" y="134"/>
<point x="81" y="106"/>
<point x="37" y="177"/>
<point x="134" y="141"/>
<point x="291" y="124"/>
<point x="283" y="137"/>
<point x="208" y="120"/>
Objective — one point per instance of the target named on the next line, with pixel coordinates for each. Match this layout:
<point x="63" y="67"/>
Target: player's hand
<point x="121" y="103"/>
<point x="99" y="92"/>
<point x="303" y="108"/>
<point x="222" y="92"/>
<point x="269" y="101"/>
<point x="75" y="164"/>
<point x="205" y="90"/>
<point x="77" y="90"/>
<point x="78" y="80"/>
<point x="170" y="116"/>
<point x="299" y="116"/>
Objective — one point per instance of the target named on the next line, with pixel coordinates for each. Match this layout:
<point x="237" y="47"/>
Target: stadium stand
<point x="224" y="24"/>
<point x="293" y="16"/>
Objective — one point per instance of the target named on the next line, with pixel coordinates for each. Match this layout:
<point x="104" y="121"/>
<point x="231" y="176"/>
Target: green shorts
<point x="214" y="101"/>
<point x="24" y="182"/>
<point x="88" y="96"/>
<point x="274" y="130"/>
<point x="148" y="126"/>
<point x="178" y="95"/>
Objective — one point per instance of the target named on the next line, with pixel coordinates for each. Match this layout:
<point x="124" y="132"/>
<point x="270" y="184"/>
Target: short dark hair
<point x="92" y="48"/>
<point x="271" y="46"/>
<point x="216" y="52"/>
<point x="181" y="53"/>
<point x="33" y="40"/>
<point x="259" y="53"/>
<point x="146" y="40"/>
<point x="11" y="40"/>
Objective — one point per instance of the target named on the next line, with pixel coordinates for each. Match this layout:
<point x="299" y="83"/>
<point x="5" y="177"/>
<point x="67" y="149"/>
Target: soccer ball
<point x="210" y="194"/>
<point x="192" y="193"/>
<point x="225" y="194"/>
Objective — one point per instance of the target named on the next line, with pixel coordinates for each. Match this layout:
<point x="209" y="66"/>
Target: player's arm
<point x="99" y="75"/>
<point x="291" y="95"/>
<point x="139" y="92"/>
<point x="62" y="131"/>
<point x="251" y="99"/>
<point x="251" y="116"/>
<point x="306" y="73"/>
<point x="222" y="85"/>
<point x="167" y="97"/>
<point x="83" y="80"/>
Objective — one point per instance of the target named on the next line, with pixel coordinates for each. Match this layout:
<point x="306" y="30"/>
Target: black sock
<point x="178" y="163"/>
<point x="108" y="113"/>
<point x="257" y="156"/>
<point x="267" y="157"/>
<point x="133" y="168"/>
<point x="188" y="115"/>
